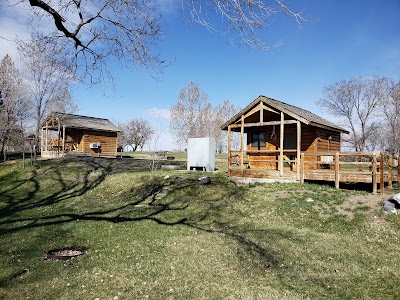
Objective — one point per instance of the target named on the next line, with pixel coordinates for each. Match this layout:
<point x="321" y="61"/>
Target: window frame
<point x="255" y="140"/>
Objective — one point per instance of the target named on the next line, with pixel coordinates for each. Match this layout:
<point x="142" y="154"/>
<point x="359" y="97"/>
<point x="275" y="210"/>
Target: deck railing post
<point x="374" y="181"/>
<point x="382" y="173"/>
<point x="229" y="150"/>
<point x="390" y="171"/>
<point x="337" y="169"/>
<point x="302" y="168"/>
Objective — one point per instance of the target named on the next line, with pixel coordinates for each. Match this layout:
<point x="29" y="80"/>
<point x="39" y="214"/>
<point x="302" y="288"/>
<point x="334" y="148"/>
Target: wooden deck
<point x="365" y="167"/>
<point x="268" y="174"/>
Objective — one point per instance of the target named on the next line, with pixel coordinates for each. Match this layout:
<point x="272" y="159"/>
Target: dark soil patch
<point x="64" y="253"/>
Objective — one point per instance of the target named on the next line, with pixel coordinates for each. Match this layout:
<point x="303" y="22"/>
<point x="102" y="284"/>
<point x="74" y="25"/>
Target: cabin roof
<point x="85" y="122"/>
<point x="297" y="113"/>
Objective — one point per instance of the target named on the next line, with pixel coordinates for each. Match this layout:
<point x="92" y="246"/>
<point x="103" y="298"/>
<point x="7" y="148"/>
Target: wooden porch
<point x="376" y="168"/>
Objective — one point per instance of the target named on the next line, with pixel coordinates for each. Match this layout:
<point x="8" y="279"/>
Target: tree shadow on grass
<point x="208" y="208"/>
<point x="23" y="194"/>
<point x="26" y="194"/>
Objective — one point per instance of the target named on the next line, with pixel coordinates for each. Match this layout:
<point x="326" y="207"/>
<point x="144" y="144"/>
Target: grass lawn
<point x="150" y="239"/>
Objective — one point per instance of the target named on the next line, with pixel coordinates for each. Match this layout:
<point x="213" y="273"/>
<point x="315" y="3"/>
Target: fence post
<point x="302" y="168"/>
<point x="374" y="182"/>
<point x="390" y="172"/>
<point x="382" y="173"/>
<point x="337" y="169"/>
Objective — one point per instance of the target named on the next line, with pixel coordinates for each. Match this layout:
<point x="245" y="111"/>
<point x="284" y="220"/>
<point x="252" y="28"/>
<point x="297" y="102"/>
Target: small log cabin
<point x="68" y="133"/>
<point x="277" y="133"/>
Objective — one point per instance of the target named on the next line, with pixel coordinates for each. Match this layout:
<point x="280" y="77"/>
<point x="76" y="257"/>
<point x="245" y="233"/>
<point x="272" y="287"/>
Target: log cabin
<point x="75" y="134"/>
<point x="277" y="133"/>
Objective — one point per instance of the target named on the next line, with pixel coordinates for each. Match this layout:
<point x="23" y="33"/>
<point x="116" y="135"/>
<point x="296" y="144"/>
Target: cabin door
<point x="79" y="143"/>
<point x="290" y="143"/>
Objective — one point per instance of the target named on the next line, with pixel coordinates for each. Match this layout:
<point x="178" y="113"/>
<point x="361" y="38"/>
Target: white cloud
<point x="160" y="113"/>
<point x="13" y="23"/>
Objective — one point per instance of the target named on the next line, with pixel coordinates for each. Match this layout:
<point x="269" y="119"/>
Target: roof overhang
<point x="265" y="103"/>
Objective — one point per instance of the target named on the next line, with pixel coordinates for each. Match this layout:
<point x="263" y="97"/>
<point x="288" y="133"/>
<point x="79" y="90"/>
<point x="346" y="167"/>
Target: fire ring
<point x="64" y="254"/>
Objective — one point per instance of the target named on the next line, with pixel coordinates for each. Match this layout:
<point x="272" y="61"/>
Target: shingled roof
<point x="297" y="113"/>
<point x="84" y="122"/>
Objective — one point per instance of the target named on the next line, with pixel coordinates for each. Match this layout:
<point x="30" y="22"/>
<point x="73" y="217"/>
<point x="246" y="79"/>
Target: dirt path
<point x="369" y="205"/>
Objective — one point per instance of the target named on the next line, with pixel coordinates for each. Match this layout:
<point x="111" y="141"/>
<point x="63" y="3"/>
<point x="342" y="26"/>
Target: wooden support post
<point x="41" y="141"/>
<point x="382" y="173"/>
<point x="337" y="169"/>
<point x="298" y="150"/>
<point x="390" y="172"/>
<point x="281" y="134"/>
<point x="374" y="181"/>
<point x="398" y="169"/>
<point x="63" y="144"/>
<point x="47" y="129"/>
<point x="241" y="143"/>
<point x="116" y="147"/>
<point x="229" y="150"/>
<point x="261" y="112"/>
<point x="301" y="167"/>
<point x="58" y="139"/>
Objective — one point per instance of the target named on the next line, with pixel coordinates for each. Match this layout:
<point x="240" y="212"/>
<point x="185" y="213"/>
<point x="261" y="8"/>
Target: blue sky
<point x="348" y="39"/>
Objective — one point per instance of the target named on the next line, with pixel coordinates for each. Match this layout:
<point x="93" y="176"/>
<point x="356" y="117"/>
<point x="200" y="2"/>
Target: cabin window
<point x="258" y="139"/>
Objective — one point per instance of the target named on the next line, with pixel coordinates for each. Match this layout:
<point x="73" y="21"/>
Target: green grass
<point x="148" y="239"/>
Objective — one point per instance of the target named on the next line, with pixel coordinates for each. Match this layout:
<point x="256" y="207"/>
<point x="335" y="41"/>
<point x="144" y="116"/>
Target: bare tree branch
<point x="127" y="29"/>
<point x="357" y="102"/>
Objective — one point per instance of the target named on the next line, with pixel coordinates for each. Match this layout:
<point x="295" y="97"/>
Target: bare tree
<point x="97" y="30"/>
<point x="391" y="112"/>
<point x="136" y="133"/>
<point x="14" y="106"/>
<point x="153" y="146"/>
<point x="357" y="103"/>
<point x="49" y="75"/>
<point x="190" y="114"/>
<point x="221" y="114"/>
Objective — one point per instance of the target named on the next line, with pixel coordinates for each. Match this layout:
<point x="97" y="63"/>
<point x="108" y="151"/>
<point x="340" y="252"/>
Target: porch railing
<point x="370" y="167"/>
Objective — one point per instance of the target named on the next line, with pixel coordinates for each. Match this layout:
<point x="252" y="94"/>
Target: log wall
<point x="108" y="142"/>
<point x="313" y="139"/>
